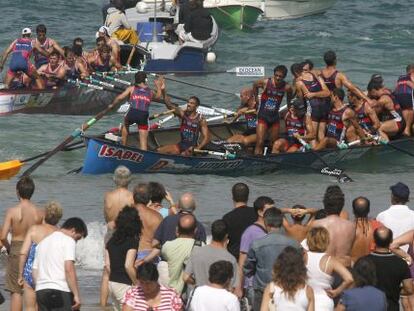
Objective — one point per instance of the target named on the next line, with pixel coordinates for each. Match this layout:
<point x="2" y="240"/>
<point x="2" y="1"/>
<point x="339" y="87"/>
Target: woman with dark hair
<point x="288" y="290"/>
<point x="364" y="295"/>
<point x="120" y="254"/>
<point x="149" y="295"/>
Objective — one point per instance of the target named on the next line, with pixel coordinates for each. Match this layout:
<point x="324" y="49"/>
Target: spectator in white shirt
<point x="54" y="268"/>
<point x="398" y="217"/>
<point x="215" y="295"/>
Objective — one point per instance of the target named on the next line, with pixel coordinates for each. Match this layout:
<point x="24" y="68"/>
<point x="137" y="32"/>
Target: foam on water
<point x="90" y="251"/>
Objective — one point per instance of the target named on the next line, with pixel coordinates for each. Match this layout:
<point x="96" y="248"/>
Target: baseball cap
<point x="26" y="31"/>
<point x="104" y="29"/>
<point x="400" y="190"/>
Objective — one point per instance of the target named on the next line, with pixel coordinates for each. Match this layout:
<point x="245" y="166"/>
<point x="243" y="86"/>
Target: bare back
<point x="150" y="221"/>
<point x="341" y="236"/>
<point x="39" y="232"/>
<point x="115" y="201"/>
<point x="364" y="239"/>
<point x="20" y="218"/>
<point x="297" y="231"/>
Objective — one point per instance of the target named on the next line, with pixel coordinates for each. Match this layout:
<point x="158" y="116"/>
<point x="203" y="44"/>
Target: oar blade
<point x="336" y="172"/>
<point x="9" y="169"/>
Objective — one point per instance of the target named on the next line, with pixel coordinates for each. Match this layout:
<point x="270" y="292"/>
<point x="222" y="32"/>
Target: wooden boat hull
<point x="234" y="16"/>
<point x="66" y="100"/>
<point x="103" y="156"/>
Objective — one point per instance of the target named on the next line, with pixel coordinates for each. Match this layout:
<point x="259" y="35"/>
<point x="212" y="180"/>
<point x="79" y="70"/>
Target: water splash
<point x="90" y="251"/>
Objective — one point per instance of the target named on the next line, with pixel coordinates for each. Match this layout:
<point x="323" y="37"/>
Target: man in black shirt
<point x="197" y="22"/>
<point x="239" y="218"/>
<point x="391" y="270"/>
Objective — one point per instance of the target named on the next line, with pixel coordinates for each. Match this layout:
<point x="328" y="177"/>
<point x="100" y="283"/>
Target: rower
<point x="336" y="79"/>
<point x="54" y="72"/>
<point x="248" y="104"/>
<point x="316" y="95"/>
<point x="140" y="97"/>
<point x="75" y="68"/>
<point x="309" y="67"/>
<point x="387" y="109"/>
<point x="192" y="124"/>
<point x="102" y="60"/>
<point x="274" y="89"/>
<point x="404" y="93"/>
<point x="21" y="49"/>
<point x="77" y="47"/>
<point x="340" y="118"/>
<point x="103" y="32"/>
<point x="20" y="81"/>
<point x="47" y="44"/>
<point x="366" y="116"/>
<point x="299" y="129"/>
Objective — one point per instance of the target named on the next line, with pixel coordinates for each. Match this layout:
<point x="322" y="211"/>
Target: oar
<point x="104" y="76"/>
<point x="396" y="147"/>
<point x="224" y="155"/>
<point x="202" y="86"/>
<point x="327" y="170"/>
<point x="157" y="115"/>
<point x="11" y="168"/>
<point x="76" y="133"/>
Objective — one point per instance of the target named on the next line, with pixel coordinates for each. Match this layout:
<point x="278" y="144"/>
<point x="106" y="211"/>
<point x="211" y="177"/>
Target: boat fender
<point x="211" y="57"/>
<point x="141" y="7"/>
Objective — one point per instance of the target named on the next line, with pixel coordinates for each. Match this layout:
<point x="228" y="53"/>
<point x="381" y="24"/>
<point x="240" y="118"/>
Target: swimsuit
<point x="21" y="52"/>
<point x="336" y="127"/>
<point x="268" y="113"/>
<point x="403" y="93"/>
<point x="251" y="122"/>
<point x="294" y="125"/>
<point x="189" y="132"/>
<point x="28" y="266"/>
<point x="39" y="58"/>
<point x="140" y="100"/>
<point x="318" y="107"/>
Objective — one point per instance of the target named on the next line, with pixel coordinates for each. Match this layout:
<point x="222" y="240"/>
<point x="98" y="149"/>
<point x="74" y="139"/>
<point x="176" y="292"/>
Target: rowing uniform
<point x="251" y="123"/>
<point x="336" y="127"/>
<point x="39" y="58"/>
<point x="386" y="115"/>
<point x="330" y="81"/>
<point x="404" y="93"/>
<point x="52" y="81"/>
<point x="72" y="72"/>
<point x="317" y="107"/>
<point x="268" y="113"/>
<point x="364" y="120"/>
<point x="189" y="132"/>
<point x="138" y="112"/>
<point x="294" y="125"/>
<point x="21" y="51"/>
<point x="98" y="66"/>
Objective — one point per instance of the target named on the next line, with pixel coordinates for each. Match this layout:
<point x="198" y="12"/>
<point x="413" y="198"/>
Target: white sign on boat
<point x="250" y="71"/>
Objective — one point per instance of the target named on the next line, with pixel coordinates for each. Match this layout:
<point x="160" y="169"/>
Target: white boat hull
<point x="286" y="9"/>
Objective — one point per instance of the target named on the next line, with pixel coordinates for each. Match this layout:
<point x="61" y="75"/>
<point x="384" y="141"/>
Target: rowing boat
<point x="104" y="155"/>
<point x="67" y="100"/>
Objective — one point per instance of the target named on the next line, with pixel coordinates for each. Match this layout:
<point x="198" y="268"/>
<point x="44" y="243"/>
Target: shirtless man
<point x="298" y="230"/>
<point x="103" y="32"/>
<point x="341" y="231"/>
<point x="17" y="221"/>
<point x="365" y="227"/>
<point x="47" y="44"/>
<point x="268" y="119"/>
<point x="387" y="109"/>
<point x="404" y="93"/>
<point x="53" y="72"/>
<point x="248" y="104"/>
<point x="340" y="118"/>
<point x="336" y="79"/>
<point x="314" y="91"/>
<point x="114" y="201"/>
<point x="150" y="219"/>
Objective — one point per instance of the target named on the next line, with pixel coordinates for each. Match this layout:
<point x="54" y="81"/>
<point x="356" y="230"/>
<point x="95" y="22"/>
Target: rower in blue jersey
<point x="101" y="60"/>
<point x="21" y="49"/>
<point x="140" y="96"/>
<point x="299" y="129"/>
<point x="404" y="94"/>
<point x="194" y="131"/>
<point x="247" y="109"/>
<point x="268" y="119"/>
<point x="340" y="118"/>
<point x="74" y="67"/>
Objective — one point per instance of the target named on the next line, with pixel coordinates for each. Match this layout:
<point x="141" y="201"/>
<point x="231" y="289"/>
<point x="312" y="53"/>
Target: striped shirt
<point x="170" y="300"/>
